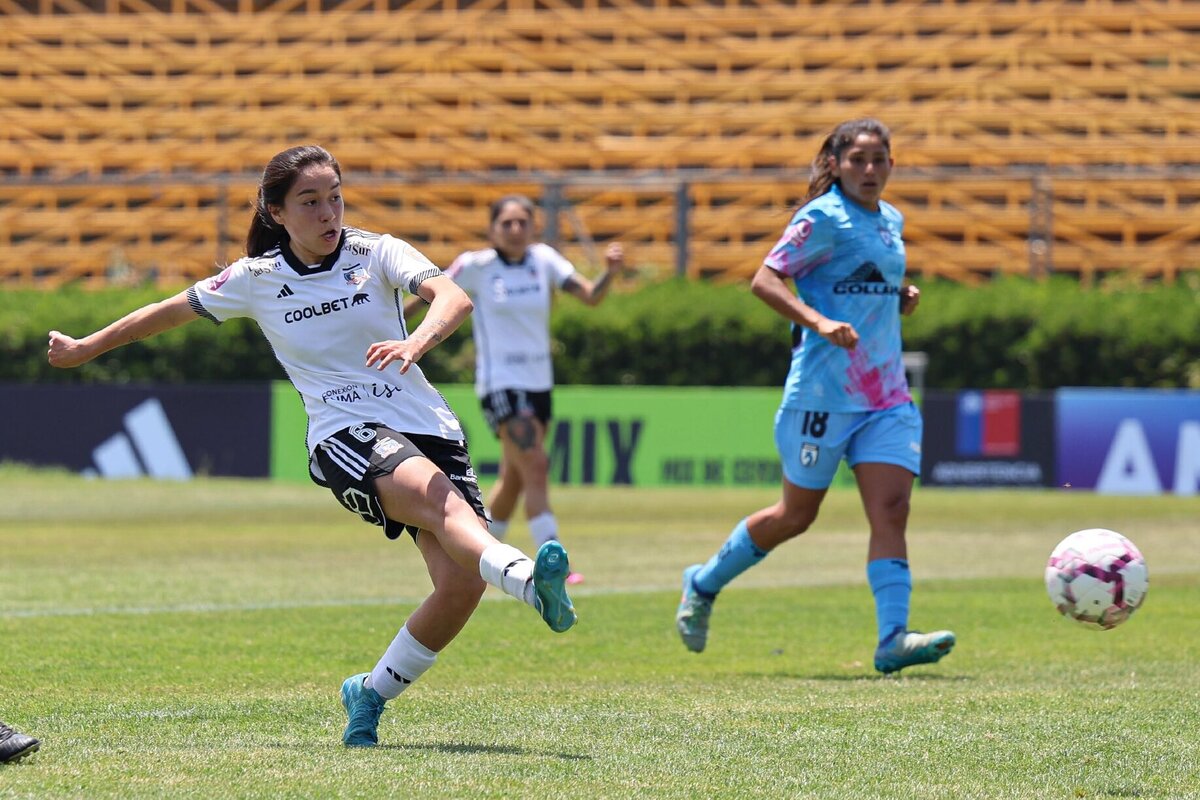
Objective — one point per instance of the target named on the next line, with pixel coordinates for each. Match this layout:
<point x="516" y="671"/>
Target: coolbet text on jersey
<point x="303" y="309"/>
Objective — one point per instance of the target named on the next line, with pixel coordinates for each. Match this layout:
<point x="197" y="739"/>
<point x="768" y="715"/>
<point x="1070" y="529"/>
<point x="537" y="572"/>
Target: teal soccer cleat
<point x="691" y="620"/>
<point x="364" y="707"/>
<point x="907" y="648"/>
<point x="550" y="572"/>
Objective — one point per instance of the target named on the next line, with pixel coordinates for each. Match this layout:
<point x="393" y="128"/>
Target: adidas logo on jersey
<point x="286" y="291"/>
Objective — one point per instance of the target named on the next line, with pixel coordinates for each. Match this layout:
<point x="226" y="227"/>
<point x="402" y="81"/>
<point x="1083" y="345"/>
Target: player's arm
<point x="413" y="306"/>
<point x="147" y="321"/>
<point x="593" y="292"/>
<point x="771" y="287"/>
<point x="449" y="306"/>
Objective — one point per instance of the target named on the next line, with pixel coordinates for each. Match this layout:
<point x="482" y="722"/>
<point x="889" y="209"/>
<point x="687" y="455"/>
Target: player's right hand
<point x="841" y="334"/>
<point x="65" y="351"/>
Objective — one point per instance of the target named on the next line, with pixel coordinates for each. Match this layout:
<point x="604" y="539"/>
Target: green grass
<point x="188" y="640"/>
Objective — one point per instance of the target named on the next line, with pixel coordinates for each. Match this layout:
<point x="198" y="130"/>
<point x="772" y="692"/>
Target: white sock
<point x="543" y="528"/>
<point x="406" y="660"/>
<point x="509" y="570"/>
<point x="498" y="528"/>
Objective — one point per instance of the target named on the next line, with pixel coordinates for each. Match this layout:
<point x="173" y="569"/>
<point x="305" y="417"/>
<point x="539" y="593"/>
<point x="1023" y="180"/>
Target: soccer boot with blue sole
<point x="908" y="648"/>
<point x="363" y="706"/>
<point x="691" y="620"/>
<point x="550" y="571"/>
<point x="15" y="745"/>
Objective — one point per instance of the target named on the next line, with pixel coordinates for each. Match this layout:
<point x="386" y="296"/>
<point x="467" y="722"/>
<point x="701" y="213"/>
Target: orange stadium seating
<point x="1029" y="135"/>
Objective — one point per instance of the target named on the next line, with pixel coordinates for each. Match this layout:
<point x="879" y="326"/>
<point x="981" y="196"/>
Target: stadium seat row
<point x="960" y="229"/>
<point x="125" y="117"/>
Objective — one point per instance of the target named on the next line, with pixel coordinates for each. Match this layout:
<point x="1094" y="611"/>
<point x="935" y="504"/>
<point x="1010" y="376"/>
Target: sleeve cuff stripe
<point x="421" y="278"/>
<point x="198" y="307"/>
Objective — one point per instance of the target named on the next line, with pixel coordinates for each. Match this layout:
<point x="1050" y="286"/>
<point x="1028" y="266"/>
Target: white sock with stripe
<point x="406" y="660"/>
<point x="543" y="528"/>
<point x="509" y="570"/>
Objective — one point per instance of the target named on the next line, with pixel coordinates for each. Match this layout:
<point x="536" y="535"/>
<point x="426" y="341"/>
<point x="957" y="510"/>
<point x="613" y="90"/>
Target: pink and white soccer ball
<point x="1097" y="577"/>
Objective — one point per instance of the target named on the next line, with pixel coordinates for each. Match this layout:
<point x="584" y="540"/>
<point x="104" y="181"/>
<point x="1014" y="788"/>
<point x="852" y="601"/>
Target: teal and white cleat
<point x="691" y="620"/>
<point x="550" y="572"/>
<point x="907" y="648"/>
<point x="364" y="707"/>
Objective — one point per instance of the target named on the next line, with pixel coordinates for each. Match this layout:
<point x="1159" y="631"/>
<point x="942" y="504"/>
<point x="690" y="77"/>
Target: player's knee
<point x="535" y="466"/>
<point x="796" y="521"/>
<point x="893" y="509"/>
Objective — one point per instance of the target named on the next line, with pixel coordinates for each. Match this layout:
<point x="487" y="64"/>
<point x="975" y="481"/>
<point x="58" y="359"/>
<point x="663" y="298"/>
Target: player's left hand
<point x="614" y="256"/>
<point x="910" y="296"/>
<point x="405" y="352"/>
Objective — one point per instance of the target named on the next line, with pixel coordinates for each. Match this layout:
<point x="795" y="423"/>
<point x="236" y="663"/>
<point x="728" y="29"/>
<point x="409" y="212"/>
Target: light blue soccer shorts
<point x="812" y="443"/>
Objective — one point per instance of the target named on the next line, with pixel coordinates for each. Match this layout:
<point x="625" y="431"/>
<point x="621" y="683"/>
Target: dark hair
<point x="835" y="144"/>
<point x="498" y="206"/>
<point x="277" y="180"/>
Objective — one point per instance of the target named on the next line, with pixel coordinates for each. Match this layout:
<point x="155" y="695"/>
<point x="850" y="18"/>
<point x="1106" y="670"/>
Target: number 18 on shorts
<point x="812" y="443"/>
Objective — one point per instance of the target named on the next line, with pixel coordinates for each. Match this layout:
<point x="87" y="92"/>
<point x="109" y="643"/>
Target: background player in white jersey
<point x="846" y="394"/>
<point x="327" y="298"/>
<point x="511" y="284"/>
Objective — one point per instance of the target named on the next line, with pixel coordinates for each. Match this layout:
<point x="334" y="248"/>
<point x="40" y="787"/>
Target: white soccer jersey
<point x="320" y="320"/>
<point x="511" y="322"/>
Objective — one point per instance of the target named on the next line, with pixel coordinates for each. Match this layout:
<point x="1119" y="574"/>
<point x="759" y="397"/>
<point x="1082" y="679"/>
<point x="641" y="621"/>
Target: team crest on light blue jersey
<point x="885" y="233"/>
<point x="809" y="453"/>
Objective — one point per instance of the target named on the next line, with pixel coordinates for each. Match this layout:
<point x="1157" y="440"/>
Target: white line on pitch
<point x="219" y="608"/>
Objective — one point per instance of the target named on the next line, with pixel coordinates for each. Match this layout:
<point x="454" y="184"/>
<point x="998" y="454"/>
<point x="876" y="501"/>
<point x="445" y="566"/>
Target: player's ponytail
<point x="277" y="180"/>
<point x="822" y="178"/>
<point x="264" y="231"/>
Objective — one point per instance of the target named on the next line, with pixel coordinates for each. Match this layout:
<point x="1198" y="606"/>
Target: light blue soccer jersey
<point x="847" y="263"/>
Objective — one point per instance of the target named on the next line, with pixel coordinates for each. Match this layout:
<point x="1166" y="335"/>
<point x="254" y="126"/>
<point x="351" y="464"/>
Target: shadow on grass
<point x="500" y="749"/>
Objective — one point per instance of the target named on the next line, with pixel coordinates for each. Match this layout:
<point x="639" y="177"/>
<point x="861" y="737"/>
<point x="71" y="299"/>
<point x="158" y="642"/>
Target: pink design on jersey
<point x="800" y="232"/>
<point x="787" y="251"/>
<point x="868" y="382"/>
<point x="778" y="261"/>
<point x="791" y="262"/>
<point x="219" y="281"/>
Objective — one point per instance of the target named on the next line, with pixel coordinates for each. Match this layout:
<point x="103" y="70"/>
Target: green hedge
<point x="1008" y="333"/>
<point x="198" y="352"/>
<point x="1015" y="333"/>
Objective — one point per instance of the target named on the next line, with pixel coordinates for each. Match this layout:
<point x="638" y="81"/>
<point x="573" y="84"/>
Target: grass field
<point x="188" y="640"/>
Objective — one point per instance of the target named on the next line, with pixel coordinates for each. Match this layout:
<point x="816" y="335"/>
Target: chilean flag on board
<point x="989" y="423"/>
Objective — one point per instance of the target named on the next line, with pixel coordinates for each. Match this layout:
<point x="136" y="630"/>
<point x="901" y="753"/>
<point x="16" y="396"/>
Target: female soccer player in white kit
<point x="846" y="394"/>
<point x="511" y="285"/>
<point x="327" y="298"/>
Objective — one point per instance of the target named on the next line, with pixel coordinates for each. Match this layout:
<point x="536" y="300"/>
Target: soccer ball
<point x="1097" y="577"/>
